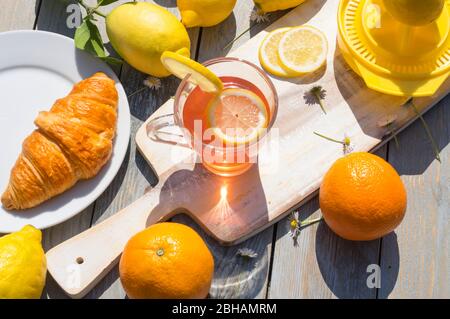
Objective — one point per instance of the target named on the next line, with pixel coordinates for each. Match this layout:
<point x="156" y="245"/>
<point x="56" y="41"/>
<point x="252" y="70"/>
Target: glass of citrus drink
<point x="225" y="125"/>
<point x="227" y="128"/>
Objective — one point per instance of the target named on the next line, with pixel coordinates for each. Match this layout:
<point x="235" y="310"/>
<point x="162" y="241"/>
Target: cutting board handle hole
<point x="79" y="260"/>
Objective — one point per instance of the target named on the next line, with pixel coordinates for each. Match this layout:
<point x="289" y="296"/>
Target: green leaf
<point x="101" y="3"/>
<point x="111" y="60"/>
<point x="88" y="38"/>
<point x="96" y="42"/>
<point x="82" y="35"/>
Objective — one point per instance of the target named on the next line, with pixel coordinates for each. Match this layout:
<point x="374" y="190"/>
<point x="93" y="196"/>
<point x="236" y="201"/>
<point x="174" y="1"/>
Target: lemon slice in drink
<point x="237" y="116"/>
<point x="180" y="66"/>
<point x="268" y="54"/>
<point x="303" y="49"/>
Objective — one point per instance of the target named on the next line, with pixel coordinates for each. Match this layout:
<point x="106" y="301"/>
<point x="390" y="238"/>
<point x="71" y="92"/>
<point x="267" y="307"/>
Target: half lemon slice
<point x="303" y="49"/>
<point x="181" y="66"/>
<point x="237" y="116"/>
<point x="268" y="54"/>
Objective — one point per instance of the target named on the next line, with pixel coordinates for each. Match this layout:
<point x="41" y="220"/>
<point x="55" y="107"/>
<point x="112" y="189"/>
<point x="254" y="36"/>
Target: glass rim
<point x="268" y="81"/>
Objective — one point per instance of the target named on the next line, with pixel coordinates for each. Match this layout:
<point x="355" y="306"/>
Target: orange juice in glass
<point x="226" y="128"/>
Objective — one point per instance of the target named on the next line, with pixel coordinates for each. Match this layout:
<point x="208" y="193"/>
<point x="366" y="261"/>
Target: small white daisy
<point x="347" y="144"/>
<point x="247" y="253"/>
<point x="294" y="226"/>
<point x="258" y="16"/>
<point x="152" y="83"/>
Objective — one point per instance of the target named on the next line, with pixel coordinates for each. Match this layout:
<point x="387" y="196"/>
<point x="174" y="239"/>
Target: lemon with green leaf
<point x="140" y="32"/>
<point x="23" y="266"/>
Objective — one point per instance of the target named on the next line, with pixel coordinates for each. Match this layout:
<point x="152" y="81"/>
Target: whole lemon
<point x="23" y="266"/>
<point x="415" y="12"/>
<point x="275" y="5"/>
<point x="204" y="13"/>
<point x="140" y="32"/>
<point x="166" y="261"/>
<point x="362" y="197"/>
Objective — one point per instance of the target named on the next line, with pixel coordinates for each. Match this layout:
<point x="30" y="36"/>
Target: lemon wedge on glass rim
<point x="236" y="115"/>
<point x="181" y="66"/>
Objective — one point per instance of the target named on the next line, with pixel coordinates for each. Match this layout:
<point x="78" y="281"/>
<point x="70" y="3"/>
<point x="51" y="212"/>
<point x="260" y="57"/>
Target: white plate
<point x="36" y="68"/>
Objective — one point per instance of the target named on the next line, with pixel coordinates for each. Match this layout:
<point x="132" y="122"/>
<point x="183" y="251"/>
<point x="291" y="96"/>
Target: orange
<point x="166" y="261"/>
<point x="362" y="197"/>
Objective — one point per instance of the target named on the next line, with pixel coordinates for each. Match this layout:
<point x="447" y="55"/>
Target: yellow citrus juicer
<point x="399" y="47"/>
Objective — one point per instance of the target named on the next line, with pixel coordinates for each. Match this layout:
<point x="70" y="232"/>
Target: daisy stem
<point x="394" y="136"/>
<point x="137" y="91"/>
<point x="329" y="138"/>
<point x="320" y="100"/>
<point x="310" y="221"/>
<point x="427" y="130"/>
<point x="397" y="144"/>
<point x="239" y="36"/>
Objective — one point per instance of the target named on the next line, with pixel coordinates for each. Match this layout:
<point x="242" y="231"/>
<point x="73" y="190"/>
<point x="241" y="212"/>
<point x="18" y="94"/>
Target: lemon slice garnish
<point x="181" y="66"/>
<point x="237" y="116"/>
<point x="303" y="49"/>
<point x="268" y="54"/>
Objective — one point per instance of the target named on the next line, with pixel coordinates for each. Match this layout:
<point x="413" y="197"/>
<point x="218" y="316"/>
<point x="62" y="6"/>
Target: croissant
<point x="72" y="142"/>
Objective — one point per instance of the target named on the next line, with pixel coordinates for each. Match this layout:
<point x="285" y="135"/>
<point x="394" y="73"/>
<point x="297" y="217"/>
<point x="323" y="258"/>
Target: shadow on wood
<point x="368" y="106"/>
<point x="167" y="3"/>
<point x="309" y="78"/>
<point x="345" y="279"/>
<point x="240" y="276"/>
<point x="110" y="282"/>
<point x="389" y="267"/>
<point x="437" y="120"/>
<point x="220" y="213"/>
<point x="145" y="169"/>
<point x="423" y="237"/>
<point x="224" y="207"/>
<point x="225" y="32"/>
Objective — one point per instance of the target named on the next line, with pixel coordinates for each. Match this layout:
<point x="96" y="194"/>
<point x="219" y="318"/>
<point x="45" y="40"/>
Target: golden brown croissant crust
<point x="72" y="141"/>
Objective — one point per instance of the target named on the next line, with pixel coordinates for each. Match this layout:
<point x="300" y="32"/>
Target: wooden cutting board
<point x="233" y="209"/>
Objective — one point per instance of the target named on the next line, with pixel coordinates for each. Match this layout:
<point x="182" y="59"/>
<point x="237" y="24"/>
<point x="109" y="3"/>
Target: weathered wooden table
<point x="414" y="261"/>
